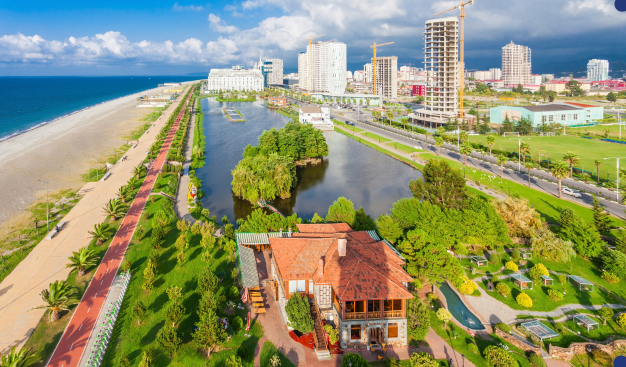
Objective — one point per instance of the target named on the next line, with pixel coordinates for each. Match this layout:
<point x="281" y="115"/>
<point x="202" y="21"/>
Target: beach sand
<point x="60" y="152"/>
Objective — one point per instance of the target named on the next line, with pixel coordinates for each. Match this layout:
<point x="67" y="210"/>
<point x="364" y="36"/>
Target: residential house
<point x="317" y="116"/>
<point x="278" y="101"/>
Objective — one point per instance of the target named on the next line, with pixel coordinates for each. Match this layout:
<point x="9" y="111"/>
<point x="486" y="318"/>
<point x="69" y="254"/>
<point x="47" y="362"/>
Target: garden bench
<point x="55" y="231"/>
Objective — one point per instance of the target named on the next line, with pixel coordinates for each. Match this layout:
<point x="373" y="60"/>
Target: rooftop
<point x="551" y="108"/>
<point x="581" y="105"/>
<point x="310" y="109"/>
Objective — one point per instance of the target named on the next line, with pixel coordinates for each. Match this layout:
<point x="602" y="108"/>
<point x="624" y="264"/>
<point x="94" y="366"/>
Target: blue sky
<point x="169" y="37"/>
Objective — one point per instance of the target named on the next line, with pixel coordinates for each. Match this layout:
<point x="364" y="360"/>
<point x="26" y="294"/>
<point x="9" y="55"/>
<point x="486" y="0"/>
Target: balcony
<point x="393" y="314"/>
<point x="355" y="316"/>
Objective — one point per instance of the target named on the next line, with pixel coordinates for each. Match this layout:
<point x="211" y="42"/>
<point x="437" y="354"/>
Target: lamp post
<point x="617" y="179"/>
<point x="519" y="152"/>
<point x="47" y="204"/>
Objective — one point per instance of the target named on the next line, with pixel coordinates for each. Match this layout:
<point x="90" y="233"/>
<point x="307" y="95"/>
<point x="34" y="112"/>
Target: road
<point x="540" y="180"/>
<point x="71" y="347"/>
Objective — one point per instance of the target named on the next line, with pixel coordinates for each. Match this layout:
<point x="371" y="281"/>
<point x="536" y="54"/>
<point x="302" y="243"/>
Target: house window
<point x="354" y="306"/>
<point x="311" y="287"/>
<point x="550" y="118"/>
<point x="292" y="286"/>
<point x="301" y="286"/>
<point x="393" y="305"/>
<point x="373" y="306"/>
<point x="392" y="330"/>
<point x="575" y="116"/>
<point x="355" y="332"/>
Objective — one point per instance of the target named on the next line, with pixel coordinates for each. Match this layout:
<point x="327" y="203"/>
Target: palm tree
<point x="571" y="159"/>
<point x="529" y="166"/>
<point x="597" y="163"/>
<point x="559" y="171"/>
<point x="376" y="115"/>
<point x="501" y="161"/>
<point x="57" y="298"/>
<point x="101" y="232"/>
<point x="389" y="116"/>
<point x="139" y="170"/>
<point x="524" y="149"/>
<point x="405" y="121"/>
<point x="115" y="209"/>
<point x="439" y="144"/>
<point x="15" y="358"/>
<point x="465" y="150"/>
<point x="80" y="260"/>
<point x="123" y="192"/>
<point x="491" y="141"/>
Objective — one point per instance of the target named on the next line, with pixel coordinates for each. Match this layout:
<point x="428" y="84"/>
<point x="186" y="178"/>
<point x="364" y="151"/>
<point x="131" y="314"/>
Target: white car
<point x="571" y="192"/>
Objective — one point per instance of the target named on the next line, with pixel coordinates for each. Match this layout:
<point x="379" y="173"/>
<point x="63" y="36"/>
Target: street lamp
<point x="47" y="204"/>
<point x="519" y="152"/>
<point x="617" y="180"/>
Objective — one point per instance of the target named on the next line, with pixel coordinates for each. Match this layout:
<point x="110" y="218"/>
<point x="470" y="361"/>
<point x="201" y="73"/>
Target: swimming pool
<point x="458" y="309"/>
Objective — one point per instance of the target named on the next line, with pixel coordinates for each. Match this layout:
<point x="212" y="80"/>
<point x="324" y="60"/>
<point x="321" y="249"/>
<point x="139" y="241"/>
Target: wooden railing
<point x="393" y="314"/>
<point x="373" y="315"/>
<point x="355" y="316"/>
<point x="338" y="305"/>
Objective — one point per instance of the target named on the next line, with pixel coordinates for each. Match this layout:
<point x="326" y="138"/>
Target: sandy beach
<point x="60" y="152"/>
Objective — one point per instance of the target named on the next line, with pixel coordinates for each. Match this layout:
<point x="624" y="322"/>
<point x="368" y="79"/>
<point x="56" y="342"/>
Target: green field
<point x="588" y="150"/>
<point x="600" y="129"/>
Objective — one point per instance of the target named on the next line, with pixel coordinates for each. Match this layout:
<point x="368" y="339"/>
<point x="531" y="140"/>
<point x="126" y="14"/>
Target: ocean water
<point x="26" y="102"/>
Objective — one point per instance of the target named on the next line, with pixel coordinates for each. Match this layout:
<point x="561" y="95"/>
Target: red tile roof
<point x="580" y="104"/>
<point x="370" y="269"/>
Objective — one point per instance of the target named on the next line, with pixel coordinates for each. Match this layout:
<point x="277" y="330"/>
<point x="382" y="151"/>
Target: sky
<point x="158" y="37"/>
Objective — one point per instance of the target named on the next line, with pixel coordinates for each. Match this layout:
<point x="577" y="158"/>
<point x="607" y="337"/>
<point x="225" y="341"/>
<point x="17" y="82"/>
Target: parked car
<point x="571" y="192"/>
<point x="349" y="123"/>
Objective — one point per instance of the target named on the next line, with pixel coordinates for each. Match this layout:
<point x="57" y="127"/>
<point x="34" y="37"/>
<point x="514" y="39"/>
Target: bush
<point x="524" y="300"/>
<point x="504" y="327"/>
<point x="423" y="359"/>
<point x="537" y="360"/>
<point x="562" y="278"/>
<point x="418" y="318"/>
<point x="560" y="328"/>
<point x="467" y="286"/>
<point x="537" y="271"/>
<point x="432" y="297"/>
<point x="354" y="360"/>
<point x="494" y="278"/>
<point x="494" y="258"/>
<point x="615" y="262"/>
<point x="621" y="321"/>
<point x="157" y="185"/>
<point x="498" y="357"/>
<point x="503" y="289"/>
<point x="237" y="324"/>
<point x="510" y="265"/>
<point x="472" y="348"/>
<point x="333" y="334"/>
<point x="555" y="295"/>
<point x="610" y="277"/>
<point x="243" y="352"/>
<point x="298" y="311"/>
<point x="515" y="255"/>
<point x="234" y="292"/>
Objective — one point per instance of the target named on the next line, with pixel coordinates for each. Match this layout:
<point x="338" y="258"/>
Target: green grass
<point x="599" y="334"/>
<point x="599" y="131"/>
<point x="268" y="350"/>
<point x="588" y="150"/>
<point x="376" y="137"/>
<point x="346" y="126"/>
<point x="130" y="339"/>
<point x="405" y="148"/>
<point x="286" y="114"/>
<point x="198" y="141"/>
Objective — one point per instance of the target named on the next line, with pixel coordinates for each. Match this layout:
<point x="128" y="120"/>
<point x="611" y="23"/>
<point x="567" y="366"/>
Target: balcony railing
<point x="355" y="316"/>
<point x="393" y="314"/>
<point x="373" y="315"/>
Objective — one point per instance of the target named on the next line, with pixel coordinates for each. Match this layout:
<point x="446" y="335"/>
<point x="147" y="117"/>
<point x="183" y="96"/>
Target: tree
<point x="537" y="271"/>
<point x="138" y="311"/>
<point x="560" y="171"/>
<point x="115" y="209"/>
<point x="574" y="89"/>
<point x="614" y="262"/>
<point x="82" y="259"/>
<point x="174" y="293"/>
<point x="389" y="116"/>
<point x="438" y="144"/>
<point x="209" y="333"/>
<point x="139" y="170"/>
<point x="362" y="221"/>
<point x="621" y="321"/>
<point x="606" y="313"/>
<point x="466" y="285"/>
<point x="174" y="313"/>
<point x="507" y="124"/>
<point x="354" y="360"/>
<point x="444" y="315"/>
<point x="388" y="228"/>
<point x="571" y="159"/>
<point x="601" y="218"/>
<point x="101" y="232"/>
<point x="57" y="298"/>
<point x="405" y="121"/>
<point x="524" y="149"/>
<point x="529" y="166"/>
<point x="491" y="141"/>
<point x="611" y="97"/>
<point x="234" y="361"/>
<point x="298" y="311"/>
<point x="501" y="162"/>
<point x="418" y="318"/>
<point x="146" y="358"/>
<point x="16" y="359"/>
<point x="524" y="300"/>
<point x="341" y="211"/>
<point x="546" y="244"/>
<point x="442" y="185"/>
<point x="466" y="150"/>
<point x="168" y="339"/>
<point x="521" y="219"/>
<point x="586" y="238"/>
<point x="597" y="163"/>
<point x="123" y="192"/>
<point x="498" y="357"/>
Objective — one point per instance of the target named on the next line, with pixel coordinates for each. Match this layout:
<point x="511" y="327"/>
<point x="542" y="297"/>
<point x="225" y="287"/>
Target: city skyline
<point x="80" y="39"/>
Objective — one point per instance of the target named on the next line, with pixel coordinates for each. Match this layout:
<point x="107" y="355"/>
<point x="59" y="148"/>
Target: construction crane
<point x="374" y="62"/>
<point x="461" y="6"/>
<point x="311" y="61"/>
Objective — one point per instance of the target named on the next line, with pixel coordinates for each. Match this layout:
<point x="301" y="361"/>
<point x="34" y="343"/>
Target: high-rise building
<point x="272" y="70"/>
<point x="368" y="72"/>
<point x="237" y="78"/>
<point x="387" y="76"/>
<point x="597" y="70"/>
<point x="516" y="64"/>
<point x="441" y="64"/>
<point x="325" y="65"/>
<point x="496" y="74"/>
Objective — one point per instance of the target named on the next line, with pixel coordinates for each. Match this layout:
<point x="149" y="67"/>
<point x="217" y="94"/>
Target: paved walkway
<point x="180" y="205"/>
<point x="72" y="345"/>
<point x="19" y="291"/>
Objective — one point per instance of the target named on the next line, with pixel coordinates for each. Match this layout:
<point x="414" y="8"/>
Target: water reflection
<point x="363" y="175"/>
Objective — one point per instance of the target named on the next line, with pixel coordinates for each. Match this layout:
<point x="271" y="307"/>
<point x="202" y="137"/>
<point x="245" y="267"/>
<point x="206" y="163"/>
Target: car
<point x="571" y="192"/>
<point x="349" y="123"/>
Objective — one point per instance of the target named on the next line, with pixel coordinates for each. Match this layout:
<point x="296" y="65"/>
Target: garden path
<point x="180" y="204"/>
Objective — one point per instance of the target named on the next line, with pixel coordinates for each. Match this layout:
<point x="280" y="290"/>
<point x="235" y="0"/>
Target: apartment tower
<point x="322" y="69"/>
<point x="386" y="76"/>
<point x="597" y="70"/>
<point x="516" y="64"/>
<point x="272" y="70"/>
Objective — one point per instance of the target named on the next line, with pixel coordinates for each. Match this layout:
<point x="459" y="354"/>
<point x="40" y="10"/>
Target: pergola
<point x="539" y="330"/>
<point x="582" y="283"/>
<point x="479" y="260"/>
<point x="546" y="280"/>
<point x="522" y="282"/>
<point x="526" y="255"/>
<point x="586" y="322"/>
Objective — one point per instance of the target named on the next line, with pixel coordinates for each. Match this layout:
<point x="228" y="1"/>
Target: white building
<point x="325" y="66"/>
<point x="359" y="76"/>
<point x="516" y="64"/>
<point x="349" y="75"/>
<point x="547" y="78"/>
<point x="535" y="79"/>
<point x="496" y="74"/>
<point x="317" y="116"/>
<point x="367" y="68"/>
<point x="598" y="70"/>
<point x="272" y="70"/>
<point x="236" y="78"/>
<point x="387" y="76"/>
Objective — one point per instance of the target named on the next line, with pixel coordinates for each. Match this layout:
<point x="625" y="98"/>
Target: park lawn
<point x="405" y="148"/>
<point x="483" y="270"/>
<point x="268" y="350"/>
<point x="130" y="339"/>
<point x="599" y="334"/>
<point x="541" y="301"/>
<point x="375" y="137"/>
<point x="588" y="150"/>
<point x="600" y="129"/>
<point x="198" y="141"/>
<point x="563" y="340"/>
<point x="548" y="206"/>
<point x="585" y="359"/>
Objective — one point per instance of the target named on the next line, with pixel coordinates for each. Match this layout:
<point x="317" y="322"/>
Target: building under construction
<point x="441" y="64"/>
<point x="386" y="76"/>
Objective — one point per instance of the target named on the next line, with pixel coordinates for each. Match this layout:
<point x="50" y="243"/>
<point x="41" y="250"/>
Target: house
<point x="278" y="101"/>
<point x="567" y="114"/>
<point x="353" y="280"/>
<point x="317" y="116"/>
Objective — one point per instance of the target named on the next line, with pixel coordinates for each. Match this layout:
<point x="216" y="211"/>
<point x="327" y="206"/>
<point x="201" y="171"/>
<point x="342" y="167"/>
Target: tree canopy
<point x="442" y="185"/>
<point x="261" y="222"/>
<point x="298" y="311"/>
<point x="585" y="236"/>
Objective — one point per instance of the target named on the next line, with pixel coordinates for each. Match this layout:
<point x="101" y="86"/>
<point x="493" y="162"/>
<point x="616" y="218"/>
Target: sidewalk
<point x="181" y="208"/>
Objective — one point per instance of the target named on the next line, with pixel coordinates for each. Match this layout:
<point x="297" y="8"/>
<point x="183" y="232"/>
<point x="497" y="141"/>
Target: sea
<point x="29" y="102"/>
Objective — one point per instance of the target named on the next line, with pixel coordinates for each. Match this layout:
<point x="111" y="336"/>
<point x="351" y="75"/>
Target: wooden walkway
<point x="265" y="204"/>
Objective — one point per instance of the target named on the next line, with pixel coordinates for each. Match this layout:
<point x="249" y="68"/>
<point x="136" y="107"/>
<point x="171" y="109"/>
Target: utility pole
<point x="617" y="159"/>
<point x="519" y="152"/>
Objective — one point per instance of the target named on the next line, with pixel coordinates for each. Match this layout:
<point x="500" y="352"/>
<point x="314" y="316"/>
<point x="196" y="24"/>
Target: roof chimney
<point x="320" y="267"/>
<point x="341" y="249"/>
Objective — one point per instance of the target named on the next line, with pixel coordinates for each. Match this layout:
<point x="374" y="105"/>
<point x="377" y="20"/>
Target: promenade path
<point x="181" y="206"/>
<point x="72" y="345"/>
<point x="19" y="291"/>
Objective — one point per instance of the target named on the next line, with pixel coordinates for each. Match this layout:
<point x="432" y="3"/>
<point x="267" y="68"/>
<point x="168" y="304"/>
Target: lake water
<point x="367" y="177"/>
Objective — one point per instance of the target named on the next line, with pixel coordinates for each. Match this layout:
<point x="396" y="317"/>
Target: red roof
<point x="580" y="104"/>
<point x="369" y="270"/>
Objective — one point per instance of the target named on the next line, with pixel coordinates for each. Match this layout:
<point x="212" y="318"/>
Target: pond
<point x="458" y="309"/>
<point x="367" y="177"/>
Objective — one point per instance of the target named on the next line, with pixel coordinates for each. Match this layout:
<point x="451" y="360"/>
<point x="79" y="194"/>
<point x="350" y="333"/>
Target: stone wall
<point x="567" y="354"/>
<point x="516" y="342"/>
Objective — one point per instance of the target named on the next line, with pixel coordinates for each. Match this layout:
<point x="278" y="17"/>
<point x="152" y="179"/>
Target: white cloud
<point x="219" y="26"/>
<point x="177" y="7"/>
<point x="230" y="7"/>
